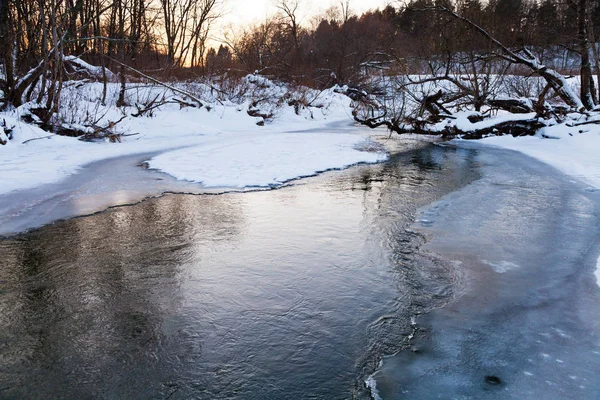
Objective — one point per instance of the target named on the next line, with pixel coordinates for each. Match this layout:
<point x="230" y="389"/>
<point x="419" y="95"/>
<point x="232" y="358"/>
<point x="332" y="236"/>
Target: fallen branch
<point x="515" y="106"/>
<point x="173" y="88"/>
<point x="552" y="77"/>
<point x="38" y="138"/>
<point x="516" y="127"/>
<point x="594" y="121"/>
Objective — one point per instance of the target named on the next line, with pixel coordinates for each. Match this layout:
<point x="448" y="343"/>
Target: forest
<point x="406" y="67"/>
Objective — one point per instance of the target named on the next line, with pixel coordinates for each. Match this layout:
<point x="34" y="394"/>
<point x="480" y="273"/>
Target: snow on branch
<point x="151" y="79"/>
<point x="91" y="70"/>
<point x="555" y="80"/>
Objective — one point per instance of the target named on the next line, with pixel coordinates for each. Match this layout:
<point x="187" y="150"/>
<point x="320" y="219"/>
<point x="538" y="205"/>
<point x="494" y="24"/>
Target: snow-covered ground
<point x="222" y="147"/>
<point x="573" y="150"/>
<point x="265" y="159"/>
<point x="225" y="147"/>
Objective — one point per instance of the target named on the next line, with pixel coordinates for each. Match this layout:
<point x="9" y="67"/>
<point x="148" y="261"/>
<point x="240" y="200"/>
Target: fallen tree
<point x="435" y="104"/>
<point x="465" y="126"/>
<point x="554" y="79"/>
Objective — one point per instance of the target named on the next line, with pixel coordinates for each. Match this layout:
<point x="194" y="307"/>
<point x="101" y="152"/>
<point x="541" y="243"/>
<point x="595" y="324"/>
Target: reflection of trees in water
<point x="89" y="300"/>
<point x="407" y="171"/>
<point x="394" y="192"/>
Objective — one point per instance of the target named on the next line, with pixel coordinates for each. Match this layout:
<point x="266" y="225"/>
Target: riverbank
<point x="219" y="145"/>
<point x="267" y="134"/>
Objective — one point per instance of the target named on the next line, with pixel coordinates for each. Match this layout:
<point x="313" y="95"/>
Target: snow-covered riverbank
<point x="573" y="150"/>
<point x="221" y="147"/>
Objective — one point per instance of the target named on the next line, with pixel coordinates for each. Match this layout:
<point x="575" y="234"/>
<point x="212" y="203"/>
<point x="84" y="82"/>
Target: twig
<point x="140" y="73"/>
<point x="31" y="140"/>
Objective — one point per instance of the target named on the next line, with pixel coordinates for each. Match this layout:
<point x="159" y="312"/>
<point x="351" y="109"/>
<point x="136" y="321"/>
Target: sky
<point x="243" y="12"/>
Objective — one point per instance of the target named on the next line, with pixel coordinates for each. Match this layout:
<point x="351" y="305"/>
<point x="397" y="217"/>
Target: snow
<point x="597" y="272"/>
<point x="371" y="383"/>
<point x="220" y="147"/>
<point x="91" y="69"/>
<point x="572" y="150"/>
<point x="225" y="147"/>
<point x="462" y="122"/>
<point x="264" y="159"/>
<point x="501" y="266"/>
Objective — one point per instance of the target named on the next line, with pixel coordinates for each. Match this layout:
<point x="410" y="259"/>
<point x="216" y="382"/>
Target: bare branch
<point x="173" y="88"/>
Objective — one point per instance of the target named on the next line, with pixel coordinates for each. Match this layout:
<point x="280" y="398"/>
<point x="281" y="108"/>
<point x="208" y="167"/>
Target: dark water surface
<point x="294" y="293"/>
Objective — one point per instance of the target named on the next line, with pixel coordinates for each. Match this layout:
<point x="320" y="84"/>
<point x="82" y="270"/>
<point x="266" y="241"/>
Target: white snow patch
<point x="597" y="272"/>
<point x="572" y="149"/>
<point x="501" y="266"/>
<point x="231" y="149"/>
<point x="371" y="383"/>
<point x="248" y="160"/>
<point x="463" y="123"/>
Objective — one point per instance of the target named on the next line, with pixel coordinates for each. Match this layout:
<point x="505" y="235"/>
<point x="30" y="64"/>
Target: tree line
<point x="169" y="38"/>
<point x="339" y="45"/>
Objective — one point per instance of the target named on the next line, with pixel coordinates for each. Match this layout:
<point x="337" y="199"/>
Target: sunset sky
<point x="242" y="12"/>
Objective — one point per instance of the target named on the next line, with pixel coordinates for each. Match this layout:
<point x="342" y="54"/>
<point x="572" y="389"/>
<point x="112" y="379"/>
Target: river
<point x="473" y="268"/>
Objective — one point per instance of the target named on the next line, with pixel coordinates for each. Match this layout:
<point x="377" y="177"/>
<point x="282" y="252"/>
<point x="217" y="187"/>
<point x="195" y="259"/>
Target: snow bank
<point x="573" y="150"/>
<point x="263" y="160"/>
<point x="597" y="272"/>
<point x="220" y="147"/>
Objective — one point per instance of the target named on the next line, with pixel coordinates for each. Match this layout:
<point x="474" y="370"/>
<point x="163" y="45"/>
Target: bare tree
<point x="587" y="81"/>
<point x="555" y="81"/>
<point x="6" y="48"/>
<point x="289" y="9"/>
<point x="186" y="24"/>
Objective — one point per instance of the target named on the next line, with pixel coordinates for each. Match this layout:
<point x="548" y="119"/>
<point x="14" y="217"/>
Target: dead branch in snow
<point x="165" y="85"/>
<point x="37" y="138"/>
<point x="450" y="130"/>
<point x="556" y="81"/>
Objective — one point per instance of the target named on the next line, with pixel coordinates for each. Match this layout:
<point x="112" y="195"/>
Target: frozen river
<point x="474" y="267"/>
<point x="526" y="324"/>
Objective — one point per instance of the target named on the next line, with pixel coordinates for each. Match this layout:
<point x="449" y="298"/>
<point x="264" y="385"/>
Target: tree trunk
<point x="554" y="79"/>
<point x="6" y="48"/>
<point x="584" y="49"/>
<point x="596" y="63"/>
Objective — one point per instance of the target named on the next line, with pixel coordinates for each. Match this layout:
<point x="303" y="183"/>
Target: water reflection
<point x="292" y="293"/>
